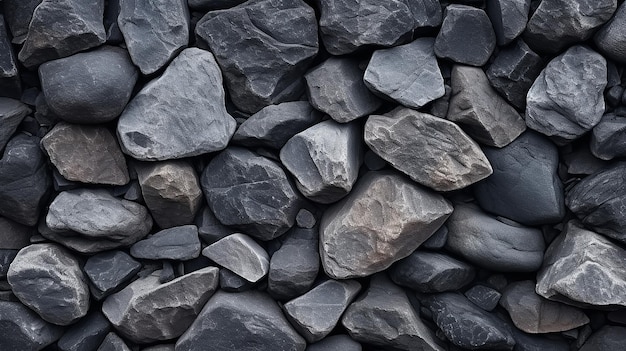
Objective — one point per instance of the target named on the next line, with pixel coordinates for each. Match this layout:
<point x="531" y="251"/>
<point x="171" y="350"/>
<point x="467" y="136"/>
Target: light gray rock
<point x="108" y="271"/>
<point x="177" y="243"/>
<point x="21" y="329"/>
<point x="112" y="342"/>
<point x="509" y="18"/>
<point x="336" y="342"/>
<point x="610" y="39"/>
<point x="608" y="137"/>
<point x="12" y="112"/>
<point x="241" y="255"/>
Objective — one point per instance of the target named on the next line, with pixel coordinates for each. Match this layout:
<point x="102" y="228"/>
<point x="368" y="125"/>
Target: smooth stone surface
<point x="608" y="137"/>
<point x="607" y="338"/>
<point x="177" y="243"/>
<point x="13" y="235"/>
<point x="437" y="240"/>
<point x="180" y="114"/>
<point x="112" y="342"/>
<point x="431" y="272"/>
<point x="508" y="18"/>
<point x="12" y="113"/>
<point x="484" y="297"/>
<point x="611" y="37"/>
<point x="86" y="334"/>
<point x="408" y="74"/>
<point x="434" y="152"/>
<point x="147" y="311"/>
<point x="241" y="255"/>
<point x="305" y="219"/>
<point x="384" y="219"/>
<point x="47" y="278"/>
<point x="335" y="342"/>
<point x="21" y="329"/>
<point x="18" y="14"/>
<point x="108" y="271"/>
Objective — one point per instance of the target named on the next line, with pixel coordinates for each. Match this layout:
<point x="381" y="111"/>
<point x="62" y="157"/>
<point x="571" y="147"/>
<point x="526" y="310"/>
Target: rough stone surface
<point x="608" y="138"/>
<point x="108" y="271"/>
<point x="12" y="113"/>
<point x="18" y="14"/>
<point x="484" y="297"/>
<point x="611" y="38"/>
<point x="508" y="18"/>
<point x="241" y="255"/>
<point x="209" y="228"/>
<point x="607" y="338"/>
<point x="10" y="83"/>
<point x="384" y="219"/>
<point x="48" y="279"/>
<point x="179" y="114"/>
<point x="112" y="342"/>
<point x="177" y="243"/>
<point x="21" y="329"/>
<point x="86" y="334"/>
<point x="432" y="151"/>
<point x="335" y="342"/>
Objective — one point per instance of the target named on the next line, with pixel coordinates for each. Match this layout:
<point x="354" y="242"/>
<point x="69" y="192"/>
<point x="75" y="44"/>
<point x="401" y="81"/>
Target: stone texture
<point x="12" y="113"/>
<point x="335" y="342"/>
<point x="13" y="235"/>
<point x="179" y="114"/>
<point x="508" y="18"/>
<point x="261" y="56"/>
<point x="86" y="334"/>
<point x="18" y="14"/>
<point x="408" y="74"/>
<point x="608" y="137"/>
<point x="177" y="243"/>
<point x="611" y="37"/>
<point x="48" y="279"/>
<point x="148" y="311"/>
<point x="6" y="257"/>
<point x="108" y="271"/>
<point x="112" y="342"/>
<point x="10" y="83"/>
<point x="207" y="5"/>
<point x="210" y="229"/>
<point x="384" y="219"/>
<point x="21" y="329"/>
<point x="241" y="255"/>
<point x="432" y="151"/>
<point x="484" y="297"/>
<point x="607" y="338"/>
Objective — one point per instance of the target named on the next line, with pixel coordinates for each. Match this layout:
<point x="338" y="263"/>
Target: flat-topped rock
<point x="176" y="243"/>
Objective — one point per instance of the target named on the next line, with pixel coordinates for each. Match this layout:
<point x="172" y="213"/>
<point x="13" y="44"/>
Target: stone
<point x="348" y="25"/>
<point x="91" y="221"/>
<point x="466" y="36"/>
<point x="383" y="316"/>
<point x="13" y="235"/>
<point x="87" y="154"/>
<point x="315" y="314"/>
<point x="466" y="325"/>
<point x="82" y="30"/>
<point x="177" y="243"/>
<point x="241" y="255"/>
<point x="109" y="271"/>
<point x="324" y="160"/>
<point x="431" y="272"/>
<point x="250" y="193"/>
<point x="171" y="190"/>
<point x="508" y="18"/>
<point x="606" y="338"/>
<point x="513" y="71"/>
<point x="484" y="297"/>
<point x="437" y="240"/>
<point x="86" y="334"/>
<point x="111" y="13"/>
<point x="146" y="311"/>
<point x="408" y="74"/>
<point x="493" y="244"/>
<point x="161" y="347"/>
<point x="18" y="14"/>
<point x="335" y="342"/>
<point x="538" y="342"/>
<point x="47" y="278"/>
<point x="180" y="114"/>
<point x="384" y="219"/>
<point x="6" y="257"/>
<point x="21" y="329"/>
<point x="261" y="56"/>
<point x="434" y="152"/>
<point x="231" y="282"/>
<point x="12" y="113"/>
<point x="524" y="186"/>
<point x="273" y="125"/>
<point x="10" y="83"/>
<point x="336" y="88"/>
<point x="208" y="5"/>
<point x="24" y="180"/>
<point x="154" y="32"/>
<point x="305" y="219"/>
<point x="249" y="321"/>
<point x="610" y="37"/>
<point x="557" y="24"/>
<point x="582" y="268"/>
<point x="210" y="229"/>
<point x="533" y="314"/>
<point x="608" y="137"/>
<point x="112" y="342"/>
<point x="551" y="107"/>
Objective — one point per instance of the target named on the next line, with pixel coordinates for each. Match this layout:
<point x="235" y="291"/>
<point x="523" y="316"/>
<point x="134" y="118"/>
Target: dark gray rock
<point x="108" y="271"/>
<point x="48" y="279"/>
<point x="251" y="193"/>
<point x="607" y="338"/>
<point x="12" y="113"/>
<point x="608" y="138"/>
<point x="325" y="160"/>
<point x="437" y="240"/>
<point x="10" y="83"/>
<point x="13" y="235"/>
<point x="336" y="342"/>
<point x="261" y="56"/>
<point x="82" y="30"/>
<point x="431" y="272"/>
<point x="231" y="282"/>
<point x="161" y="347"/>
<point x="384" y="219"/>
<point x="435" y="152"/>
<point x="111" y="13"/>
<point x="249" y="321"/>
<point x="86" y="334"/>
<point x="524" y="186"/>
<point x="466" y="36"/>
<point x="241" y="255"/>
<point x="6" y="257"/>
<point x="611" y="37"/>
<point x="210" y="229"/>
<point x="273" y="125"/>
<point x="177" y="243"/>
<point x="112" y="342"/>
<point x="336" y="88"/>
<point x="147" y="311"/>
<point x="566" y="100"/>
<point x="466" y="325"/>
<point x="21" y="329"/>
<point x="305" y="219"/>
<point x="18" y="14"/>
<point x="373" y="162"/>
<point x="538" y="342"/>
<point x="484" y="297"/>
<point x="208" y="5"/>
<point x="180" y="114"/>
<point x="508" y="18"/>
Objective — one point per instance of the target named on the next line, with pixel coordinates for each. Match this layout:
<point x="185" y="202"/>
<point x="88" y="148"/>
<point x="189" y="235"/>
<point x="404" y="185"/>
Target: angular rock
<point x="261" y="56"/>
<point x="336" y="88"/>
<point x="22" y="329"/>
<point x="86" y="334"/>
<point x="566" y="100"/>
<point x="48" y="279"/>
<point x="176" y="243"/>
<point x="82" y="29"/>
<point x="148" y="311"/>
<point x="112" y="342"/>
<point x="10" y="83"/>
<point x="335" y="342"/>
<point x="108" y="271"/>
<point x="241" y="255"/>
<point x="607" y="338"/>
<point x="466" y="36"/>
<point x="508" y="18"/>
<point x="325" y="160"/>
<point x="384" y="219"/>
<point x="231" y="282"/>
<point x="611" y="37"/>
<point x="210" y="229"/>
<point x="483" y="297"/>
<point x="249" y="321"/>
<point x="12" y="112"/>
<point x="18" y="14"/>
<point x="251" y="193"/>
<point x="608" y="138"/>
<point x="179" y="114"/>
<point x="432" y="151"/>
<point x="111" y="13"/>
<point x="408" y="74"/>
<point x="524" y="186"/>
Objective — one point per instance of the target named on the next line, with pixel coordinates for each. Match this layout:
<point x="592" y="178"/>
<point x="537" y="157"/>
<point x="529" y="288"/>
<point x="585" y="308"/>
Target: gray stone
<point x="171" y="190"/>
<point x="611" y="37"/>
<point x="21" y="329"/>
<point x="305" y="219"/>
<point x="18" y="14"/>
<point x="437" y="240"/>
<point x="112" y="342"/>
<point x="408" y="74"/>
<point x="12" y="113"/>
<point x="336" y="88"/>
<point x="493" y="244"/>
<point x="210" y="229"/>
<point x="539" y="342"/>
<point x="208" y="5"/>
<point x="231" y="282"/>
<point x="607" y="338"/>
<point x="608" y="138"/>
<point x="48" y="279"/>
<point x="432" y="151"/>
<point x="263" y="48"/>
<point x="147" y="311"/>
<point x="566" y="100"/>
<point x="336" y="342"/>
<point x="249" y="321"/>
<point x="13" y="235"/>
<point x="241" y="255"/>
<point x="111" y="13"/>
<point x="384" y="219"/>
<point x="383" y="316"/>
<point x="108" y="271"/>
<point x="10" y="83"/>
<point x="6" y="257"/>
<point x="86" y="334"/>
<point x="483" y="297"/>
<point x="325" y="160"/>
<point x="177" y="243"/>
<point x="478" y="108"/>
<point x="82" y="30"/>
<point x="509" y="18"/>
<point x="161" y="347"/>
<point x="180" y="114"/>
